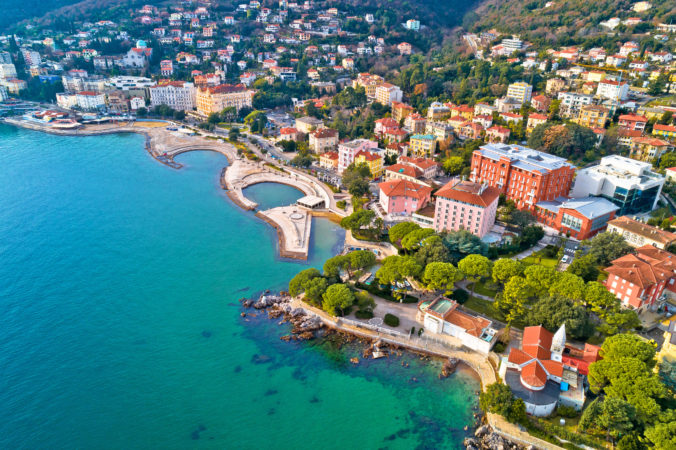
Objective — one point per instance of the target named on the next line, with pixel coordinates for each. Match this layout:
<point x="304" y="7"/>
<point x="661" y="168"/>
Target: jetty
<point x="164" y="143"/>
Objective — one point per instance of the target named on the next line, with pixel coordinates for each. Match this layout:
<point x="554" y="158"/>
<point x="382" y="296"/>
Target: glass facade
<point x="571" y="222"/>
<point x="634" y="201"/>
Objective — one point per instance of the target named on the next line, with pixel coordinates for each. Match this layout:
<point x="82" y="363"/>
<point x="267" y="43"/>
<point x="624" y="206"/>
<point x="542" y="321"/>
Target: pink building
<point x="348" y="150"/>
<point x="466" y="205"/>
<point x="403" y="197"/>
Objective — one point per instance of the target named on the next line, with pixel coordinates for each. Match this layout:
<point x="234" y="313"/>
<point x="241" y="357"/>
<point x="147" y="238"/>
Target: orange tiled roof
<point x="469" y="192"/>
<point x="534" y="375"/>
<point x="537" y="342"/>
<point x="398" y="188"/>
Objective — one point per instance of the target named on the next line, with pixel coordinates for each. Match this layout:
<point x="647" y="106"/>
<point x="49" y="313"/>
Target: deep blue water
<point x="120" y="326"/>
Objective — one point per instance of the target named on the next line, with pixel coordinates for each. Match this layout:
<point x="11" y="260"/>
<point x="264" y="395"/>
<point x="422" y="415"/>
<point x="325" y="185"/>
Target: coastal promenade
<point x="437" y="345"/>
<point x="292" y="222"/>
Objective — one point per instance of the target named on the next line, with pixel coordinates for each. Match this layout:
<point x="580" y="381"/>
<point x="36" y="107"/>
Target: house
<point x="580" y="218"/>
<point x="347" y="151"/>
<point x="464" y="111"/>
<point x="470" y="130"/>
<point x="213" y="99"/>
<point x="400" y="197"/>
<point x="308" y="124"/>
<point x="613" y="90"/>
<point x="555" y="85"/>
<point x="521" y="92"/>
<point x="666" y="131"/>
<point x="323" y="140"/>
<point x="403" y="172"/>
<point x="400" y="111"/>
<point x="497" y="134"/>
<point x="537" y="373"/>
<point x="373" y="160"/>
<point x="534" y="120"/>
<point x="484" y="120"/>
<point x="382" y="125"/>
<point x="632" y="122"/>
<point x="288" y="134"/>
<point x="540" y="103"/>
<point x="415" y="123"/>
<point x="442" y="316"/>
<point x="328" y="160"/>
<point x="465" y="205"/>
<point x="422" y="145"/>
<point x="429" y="167"/>
<point x="638" y="280"/>
<point x="638" y="234"/>
<point x="645" y="148"/>
<point x="404" y="48"/>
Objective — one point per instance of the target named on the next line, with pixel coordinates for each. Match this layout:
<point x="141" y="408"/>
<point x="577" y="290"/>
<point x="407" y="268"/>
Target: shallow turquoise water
<point x="271" y="195"/>
<point x="120" y="327"/>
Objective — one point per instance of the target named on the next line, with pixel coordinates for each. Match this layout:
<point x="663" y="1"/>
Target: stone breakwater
<point x="485" y="438"/>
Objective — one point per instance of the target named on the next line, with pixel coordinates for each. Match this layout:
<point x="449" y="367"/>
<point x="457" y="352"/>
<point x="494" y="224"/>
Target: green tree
<point x="441" y="275"/>
<point x="599" y="299"/>
<point x="400" y="230"/>
<point x="552" y="312"/>
<point x="337" y="297"/>
<point x="398" y="268"/>
<point x="475" y="267"/>
<point x="453" y="165"/>
<point x="355" y="178"/>
<point x="619" y="321"/>
<point x="568" y="286"/>
<point x="358" y="220"/>
<point x="521" y="219"/>
<point x="608" y="246"/>
<point x="499" y="399"/>
<point x="512" y="301"/>
<point x="314" y="289"/>
<point x="540" y="278"/>
<point x="663" y="435"/>
<point x="361" y="259"/>
<point x="584" y="267"/>
<point x="297" y="283"/>
<point x="333" y="266"/>
<point x="364" y="301"/>
<point x="505" y="268"/>
<point x="414" y="239"/>
<point x="668" y="160"/>
<point x="462" y="243"/>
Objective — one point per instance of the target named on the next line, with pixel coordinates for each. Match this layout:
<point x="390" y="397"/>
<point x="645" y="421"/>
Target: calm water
<point x="120" y="327"/>
<point x="270" y="195"/>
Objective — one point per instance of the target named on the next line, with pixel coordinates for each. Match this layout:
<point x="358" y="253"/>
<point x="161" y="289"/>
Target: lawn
<point x="481" y="288"/>
<point x="547" y="262"/>
<point x="484" y="307"/>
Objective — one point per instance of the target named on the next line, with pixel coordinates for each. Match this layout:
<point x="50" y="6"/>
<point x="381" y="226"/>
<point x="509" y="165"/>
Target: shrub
<point x="499" y="347"/>
<point x="460" y="296"/>
<point x="363" y="314"/>
<point x="341" y="204"/>
<point x="567" y="411"/>
<point x="391" y="320"/>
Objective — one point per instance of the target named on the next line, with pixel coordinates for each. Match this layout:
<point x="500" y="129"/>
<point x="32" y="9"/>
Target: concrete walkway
<point x="385" y="249"/>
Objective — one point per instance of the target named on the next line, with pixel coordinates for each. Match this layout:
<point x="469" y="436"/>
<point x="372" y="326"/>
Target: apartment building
<point x="521" y="92"/>
<point x="178" y="95"/>
<point x="216" y="98"/>
<point x="464" y="205"/>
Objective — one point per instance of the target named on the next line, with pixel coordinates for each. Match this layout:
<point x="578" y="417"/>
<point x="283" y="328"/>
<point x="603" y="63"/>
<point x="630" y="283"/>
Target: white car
<point x="565" y="259"/>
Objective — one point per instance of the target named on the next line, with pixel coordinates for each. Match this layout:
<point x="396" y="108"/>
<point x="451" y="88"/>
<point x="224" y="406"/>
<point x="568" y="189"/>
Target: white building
<point x="178" y="95"/>
<point x="412" y="24"/>
<point x="521" y="92"/>
<point x="90" y="101"/>
<point x="348" y="150"/>
<point x="7" y="71"/>
<point x="629" y="184"/>
<point x="571" y="102"/>
<point x="613" y="90"/>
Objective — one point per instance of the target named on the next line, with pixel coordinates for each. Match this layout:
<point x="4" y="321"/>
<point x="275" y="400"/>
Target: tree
<point x="358" y="219"/>
<point x="315" y="288"/>
<point x="432" y="250"/>
<point x="337" y="297"/>
<point x="397" y="268"/>
<point x="584" y="267"/>
<point x="619" y="321"/>
<point x="521" y="219"/>
<point x="499" y="399"/>
<point x="441" y="275"/>
<point x="512" y="301"/>
<point x="364" y="301"/>
<point x="361" y="259"/>
<point x="599" y="299"/>
<point x="453" y="165"/>
<point x="356" y="179"/>
<point x="333" y="266"/>
<point x="590" y="416"/>
<point x="297" y="283"/>
<point x="461" y="243"/>
<point x="552" y="312"/>
<point x="607" y="247"/>
<point x="570" y="140"/>
<point x="625" y="372"/>
<point x="400" y="230"/>
<point x="475" y="267"/>
<point x="505" y="268"/>
<point x="302" y="160"/>
<point x="668" y="160"/>
<point x="568" y="286"/>
<point x="415" y="239"/>
<point x="540" y="278"/>
<point x="663" y="435"/>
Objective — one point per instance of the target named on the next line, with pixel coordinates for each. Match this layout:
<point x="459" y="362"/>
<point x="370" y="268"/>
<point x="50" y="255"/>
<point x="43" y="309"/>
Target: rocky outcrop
<point x="486" y="439"/>
<point x="304" y="326"/>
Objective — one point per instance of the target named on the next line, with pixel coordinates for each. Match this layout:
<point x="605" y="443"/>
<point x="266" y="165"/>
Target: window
<point x="614" y="284"/>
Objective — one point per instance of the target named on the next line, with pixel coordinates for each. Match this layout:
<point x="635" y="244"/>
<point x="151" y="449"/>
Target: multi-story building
<point x="329" y="160"/>
<point x="415" y="123"/>
<point x="665" y="131"/>
<point x="403" y="197"/>
<point x="571" y="102"/>
<point x="166" y="68"/>
<point x="497" y="134"/>
<point x="308" y="124"/>
<point x="90" y="101"/>
<point x="442" y="131"/>
<point x="638" y="280"/>
<point x="374" y="161"/>
<point x="464" y="205"/>
<point x="422" y="145"/>
<point x="524" y="175"/>
<point x="592" y="116"/>
<point x="629" y="184"/>
<point x="638" y="234"/>
<point x="646" y="148"/>
<point x="555" y="85"/>
<point x="217" y="98"/>
<point x="580" y="218"/>
<point x="427" y="166"/>
<point x="633" y="122"/>
<point x="613" y="90"/>
<point x="535" y="119"/>
<point x="7" y="70"/>
<point x="369" y="83"/>
<point x="323" y="140"/>
<point x="348" y="150"/>
<point x="178" y="95"/>
<point x="401" y="110"/>
<point x="521" y="92"/>
<point x="387" y="93"/>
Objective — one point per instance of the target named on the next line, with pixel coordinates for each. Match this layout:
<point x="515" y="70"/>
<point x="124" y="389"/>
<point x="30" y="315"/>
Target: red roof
<point x="403" y="169"/>
<point x="668" y="128"/>
<point x="289" y="130"/>
<point x="469" y="192"/>
<point x="534" y="375"/>
<point x="647" y="267"/>
<point x="537" y="342"/>
<point x="405" y="188"/>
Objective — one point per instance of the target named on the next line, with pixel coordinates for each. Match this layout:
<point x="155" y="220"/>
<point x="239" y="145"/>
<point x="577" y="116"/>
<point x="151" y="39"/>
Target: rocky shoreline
<point x="306" y="326"/>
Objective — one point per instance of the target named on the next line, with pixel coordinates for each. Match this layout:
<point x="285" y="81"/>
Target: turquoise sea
<point x="120" y="325"/>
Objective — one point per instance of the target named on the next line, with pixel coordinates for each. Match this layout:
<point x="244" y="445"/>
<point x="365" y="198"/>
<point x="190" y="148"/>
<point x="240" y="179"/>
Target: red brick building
<point x="639" y="279"/>
<point x="580" y="218"/>
<point x="524" y="175"/>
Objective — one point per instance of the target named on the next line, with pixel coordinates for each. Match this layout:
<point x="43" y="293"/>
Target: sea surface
<point x="120" y="324"/>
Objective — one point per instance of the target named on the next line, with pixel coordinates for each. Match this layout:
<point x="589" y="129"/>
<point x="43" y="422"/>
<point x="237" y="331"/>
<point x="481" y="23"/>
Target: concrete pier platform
<point x="293" y="225"/>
